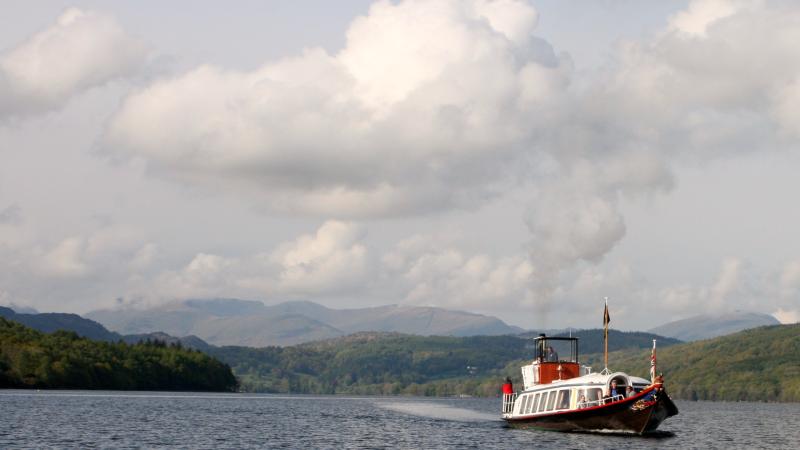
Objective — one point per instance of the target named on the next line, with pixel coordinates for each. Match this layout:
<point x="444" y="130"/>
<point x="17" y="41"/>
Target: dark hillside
<point x="391" y="363"/>
<point x="760" y="364"/>
<point x="50" y="322"/>
<point x="63" y="360"/>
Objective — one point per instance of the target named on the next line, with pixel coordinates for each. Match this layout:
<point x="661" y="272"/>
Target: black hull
<point x="639" y="414"/>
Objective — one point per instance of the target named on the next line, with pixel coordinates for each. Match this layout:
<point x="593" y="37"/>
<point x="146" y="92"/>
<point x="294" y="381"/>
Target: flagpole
<point x="653" y="364"/>
<point x="606" y="319"/>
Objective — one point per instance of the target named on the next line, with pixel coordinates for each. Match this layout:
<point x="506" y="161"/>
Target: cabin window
<point x="524" y="405"/>
<point x="563" y="399"/>
<point x="581" y="400"/>
<point x="535" y="403"/>
<point x="551" y="400"/>
<point x="593" y="395"/>
<point x="530" y="404"/>
<point x="542" y="402"/>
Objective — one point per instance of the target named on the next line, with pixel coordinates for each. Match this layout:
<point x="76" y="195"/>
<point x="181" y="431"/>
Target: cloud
<point x="82" y="49"/>
<point x="700" y="15"/>
<point x="330" y="262"/>
<point x="790" y="280"/>
<point x="572" y="225"/>
<point x="727" y="283"/>
<point x="720" y="80"/>
<point x="433" y="273"/>
<point x="434" y="105"/>
<point x="332" y="259"/>
<point x="66" y="259"/>
<point x="712" y="85"/>
<point x="11" y="215"/>
<point x="144" y="257"/>
<point x="70" y="272"/>
<point x="429" y="106"/>
<point x="639" y="304"/>
<point x="733" y="289"/>
<point x="82" y="255"/>
<point x="787" y="317"/>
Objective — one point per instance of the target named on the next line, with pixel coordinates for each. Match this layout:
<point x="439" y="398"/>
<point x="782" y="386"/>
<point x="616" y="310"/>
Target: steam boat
<point x="560" y="394"/>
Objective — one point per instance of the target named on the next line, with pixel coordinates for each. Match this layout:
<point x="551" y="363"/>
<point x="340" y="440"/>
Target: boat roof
<point x="598" y="378"/>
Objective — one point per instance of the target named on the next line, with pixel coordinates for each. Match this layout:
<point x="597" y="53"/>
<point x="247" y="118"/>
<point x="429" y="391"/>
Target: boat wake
<point x="438" y="411"/>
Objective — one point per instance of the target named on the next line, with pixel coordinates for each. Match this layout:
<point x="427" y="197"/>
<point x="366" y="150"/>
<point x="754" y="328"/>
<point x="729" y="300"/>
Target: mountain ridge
<point x="706" y="326"/>
<point x="252" y="323"/>
<point x="90" y="329"/>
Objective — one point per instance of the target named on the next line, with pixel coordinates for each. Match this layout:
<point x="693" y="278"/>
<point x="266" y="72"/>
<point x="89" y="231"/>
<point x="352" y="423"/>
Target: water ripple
<point x="80" y="419"/>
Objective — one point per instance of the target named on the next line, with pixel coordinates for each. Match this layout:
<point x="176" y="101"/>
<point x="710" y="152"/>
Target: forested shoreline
<point x="398" y="364"/>
<point x="761" y="364"/>
<point x="63" y="360"/>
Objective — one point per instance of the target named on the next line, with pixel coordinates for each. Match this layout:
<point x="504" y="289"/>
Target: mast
<point x="606" y="320"/>
<point x="653" y="363"/>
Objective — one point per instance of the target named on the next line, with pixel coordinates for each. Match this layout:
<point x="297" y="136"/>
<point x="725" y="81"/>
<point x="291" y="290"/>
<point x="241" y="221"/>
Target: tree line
<point x="760" y="364"/>
<point x="31" y="359"/>
<point x="396" y="364"/>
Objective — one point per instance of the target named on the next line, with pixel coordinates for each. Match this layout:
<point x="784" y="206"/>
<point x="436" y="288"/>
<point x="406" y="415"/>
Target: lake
<point x="85" y="419"/>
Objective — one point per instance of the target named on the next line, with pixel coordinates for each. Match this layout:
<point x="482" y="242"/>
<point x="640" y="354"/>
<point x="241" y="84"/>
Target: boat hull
<point x="639" y="414"/>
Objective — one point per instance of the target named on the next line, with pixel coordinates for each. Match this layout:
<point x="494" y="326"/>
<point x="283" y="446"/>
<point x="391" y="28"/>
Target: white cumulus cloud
<point x="330" y="260"/>
<point x="434" y="273"/>
<point x="429" y="105"/>
<point x="80" y="50"/>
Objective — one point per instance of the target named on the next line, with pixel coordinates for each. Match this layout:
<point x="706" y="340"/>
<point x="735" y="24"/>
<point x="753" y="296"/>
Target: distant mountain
<point x="251" y="323"/>
<point x="707" y="326"/>
<point x="419" y="320"/>
<point x="21" y="309"/>
<point x="218" y="325"/>
<point x="50" y="322"/>
<point x="225" y="307"/>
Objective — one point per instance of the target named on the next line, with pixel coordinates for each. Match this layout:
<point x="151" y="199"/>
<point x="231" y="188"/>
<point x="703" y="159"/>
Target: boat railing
<point x="508" y="402"/>
<point x="601" y="401"/>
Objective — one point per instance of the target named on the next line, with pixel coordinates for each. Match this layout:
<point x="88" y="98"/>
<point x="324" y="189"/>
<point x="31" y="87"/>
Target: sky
<point x="512" y="158"/>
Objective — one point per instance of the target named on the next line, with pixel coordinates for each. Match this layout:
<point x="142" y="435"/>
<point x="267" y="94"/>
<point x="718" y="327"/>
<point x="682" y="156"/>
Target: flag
<point x="653" y="363"/>
<point x="606" y="318"/>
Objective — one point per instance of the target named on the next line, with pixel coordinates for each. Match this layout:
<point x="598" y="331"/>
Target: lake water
<point x="81" y="419"/>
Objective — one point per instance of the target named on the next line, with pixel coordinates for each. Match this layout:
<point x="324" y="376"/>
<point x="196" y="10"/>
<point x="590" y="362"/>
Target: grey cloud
<point x="11" y="215"/>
